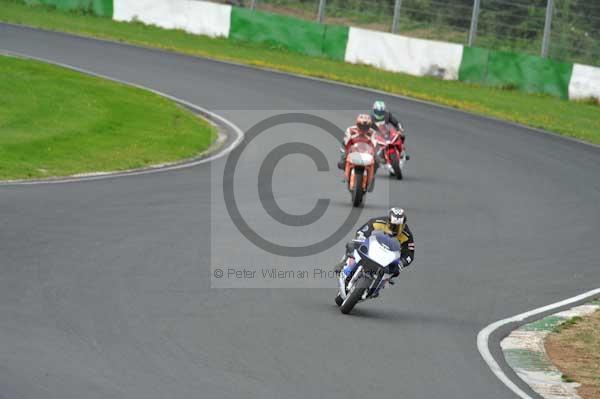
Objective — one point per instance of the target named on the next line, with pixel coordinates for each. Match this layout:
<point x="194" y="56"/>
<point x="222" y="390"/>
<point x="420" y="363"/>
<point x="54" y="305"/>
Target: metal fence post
<point x="253" y="5"/>
<point x="547" y="28"/>
<point x="396" y="20"/>
<point x="474" y="21"/>
<point x="321" y="15"/>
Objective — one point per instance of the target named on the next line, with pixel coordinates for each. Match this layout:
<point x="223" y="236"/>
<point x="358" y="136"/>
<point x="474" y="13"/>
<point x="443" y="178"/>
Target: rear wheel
<point x="357" y="191"/>
<point x="354" y="296"/>
<point x="395" y="161"/>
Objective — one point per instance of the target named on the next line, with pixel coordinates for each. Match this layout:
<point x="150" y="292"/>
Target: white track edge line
<point x="484" y="335"/>
<point x="220" y="153"/>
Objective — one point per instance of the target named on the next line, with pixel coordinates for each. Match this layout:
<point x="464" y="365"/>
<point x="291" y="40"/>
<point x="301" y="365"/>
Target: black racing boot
<point x="371" y="186"/>
<point x="342" y="162"/>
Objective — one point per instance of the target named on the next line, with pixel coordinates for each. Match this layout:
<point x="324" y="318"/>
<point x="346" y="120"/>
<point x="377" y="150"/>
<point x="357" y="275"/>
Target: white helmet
<point x="396" y="219"/>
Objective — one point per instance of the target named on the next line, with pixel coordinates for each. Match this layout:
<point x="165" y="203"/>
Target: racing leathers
<point x="404" y="236"/>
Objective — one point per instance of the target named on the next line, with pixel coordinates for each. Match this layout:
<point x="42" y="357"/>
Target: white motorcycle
<point x="365" y="277"/>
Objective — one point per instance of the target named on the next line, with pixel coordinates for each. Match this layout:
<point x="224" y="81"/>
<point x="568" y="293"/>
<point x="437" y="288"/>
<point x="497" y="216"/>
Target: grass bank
<point x="574" y="348"/>
<point x="56" y="122"/>
<point x="575" y="119"/>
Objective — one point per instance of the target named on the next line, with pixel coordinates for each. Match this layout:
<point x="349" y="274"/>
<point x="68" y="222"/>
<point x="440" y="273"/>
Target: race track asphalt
<point x="105" y="286"/>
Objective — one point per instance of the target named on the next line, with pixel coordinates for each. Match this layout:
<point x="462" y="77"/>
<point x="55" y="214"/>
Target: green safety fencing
<point x="525" y="72"/>
<point x="294" y="34"/>
<point x="473" y="67"/>
<point x="99" y="7"/>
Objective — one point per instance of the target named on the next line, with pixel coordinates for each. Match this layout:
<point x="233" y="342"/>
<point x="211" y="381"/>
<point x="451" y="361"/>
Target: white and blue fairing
<point x="380" y="248"/>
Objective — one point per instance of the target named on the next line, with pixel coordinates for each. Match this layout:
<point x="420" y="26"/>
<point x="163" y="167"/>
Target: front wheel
<point x="339" y="300"/>
<point x="395" y="161"/>
<point x="354" y="296"/>
<point x="357" y="191"/>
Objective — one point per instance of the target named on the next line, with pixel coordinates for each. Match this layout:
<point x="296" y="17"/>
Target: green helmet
<point x="379" y="111"/>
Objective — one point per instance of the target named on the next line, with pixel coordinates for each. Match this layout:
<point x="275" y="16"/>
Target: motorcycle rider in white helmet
<point x="394" y="224"/>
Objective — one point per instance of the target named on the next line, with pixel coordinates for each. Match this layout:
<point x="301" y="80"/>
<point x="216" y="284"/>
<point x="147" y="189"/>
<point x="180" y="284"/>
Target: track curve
<point x="105" y="285"/>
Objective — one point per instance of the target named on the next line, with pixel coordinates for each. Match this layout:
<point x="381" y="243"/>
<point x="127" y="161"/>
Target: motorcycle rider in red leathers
<point x="360" y="132"/>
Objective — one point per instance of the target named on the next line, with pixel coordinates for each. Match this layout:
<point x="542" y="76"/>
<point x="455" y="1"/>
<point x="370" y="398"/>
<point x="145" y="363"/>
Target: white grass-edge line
<point x="150" y="169"/>
<point x="484" y="335"/>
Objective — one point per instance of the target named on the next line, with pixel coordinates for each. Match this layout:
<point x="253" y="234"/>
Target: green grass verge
<point x="575" y="119"/>
<point x="57" y="122"/>
<point x="567" y="324"/>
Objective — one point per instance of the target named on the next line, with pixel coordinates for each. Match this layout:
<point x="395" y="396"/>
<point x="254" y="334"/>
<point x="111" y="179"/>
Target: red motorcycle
<point x="360" y="170"/>
<point x="390" y="149"/>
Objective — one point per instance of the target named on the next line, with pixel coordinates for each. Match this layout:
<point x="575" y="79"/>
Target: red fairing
<point x="390" y="139"/>
<point x="358" y="138"/>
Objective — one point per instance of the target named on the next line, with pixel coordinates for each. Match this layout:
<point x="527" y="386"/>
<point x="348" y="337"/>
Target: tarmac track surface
<point x="105" y="285"/>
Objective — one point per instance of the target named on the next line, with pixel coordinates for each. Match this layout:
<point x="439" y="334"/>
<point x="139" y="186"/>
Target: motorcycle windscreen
<point x="383" y="249"/>
<point x="360" y="158"/>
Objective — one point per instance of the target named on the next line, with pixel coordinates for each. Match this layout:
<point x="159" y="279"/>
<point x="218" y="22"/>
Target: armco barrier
<point x="528" y="73"/>
<point x="404" y="54"/>
<point x="198" y="17"/>
<point x="294" y="34"/>
<point x="99" y="7"/>
<point x="585" y="82"/>
<point x="473" y="66"/>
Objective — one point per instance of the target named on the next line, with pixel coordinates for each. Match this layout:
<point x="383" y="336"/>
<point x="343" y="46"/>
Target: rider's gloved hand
<point x="350" y="248"/>
<point x="360" y="237"/>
